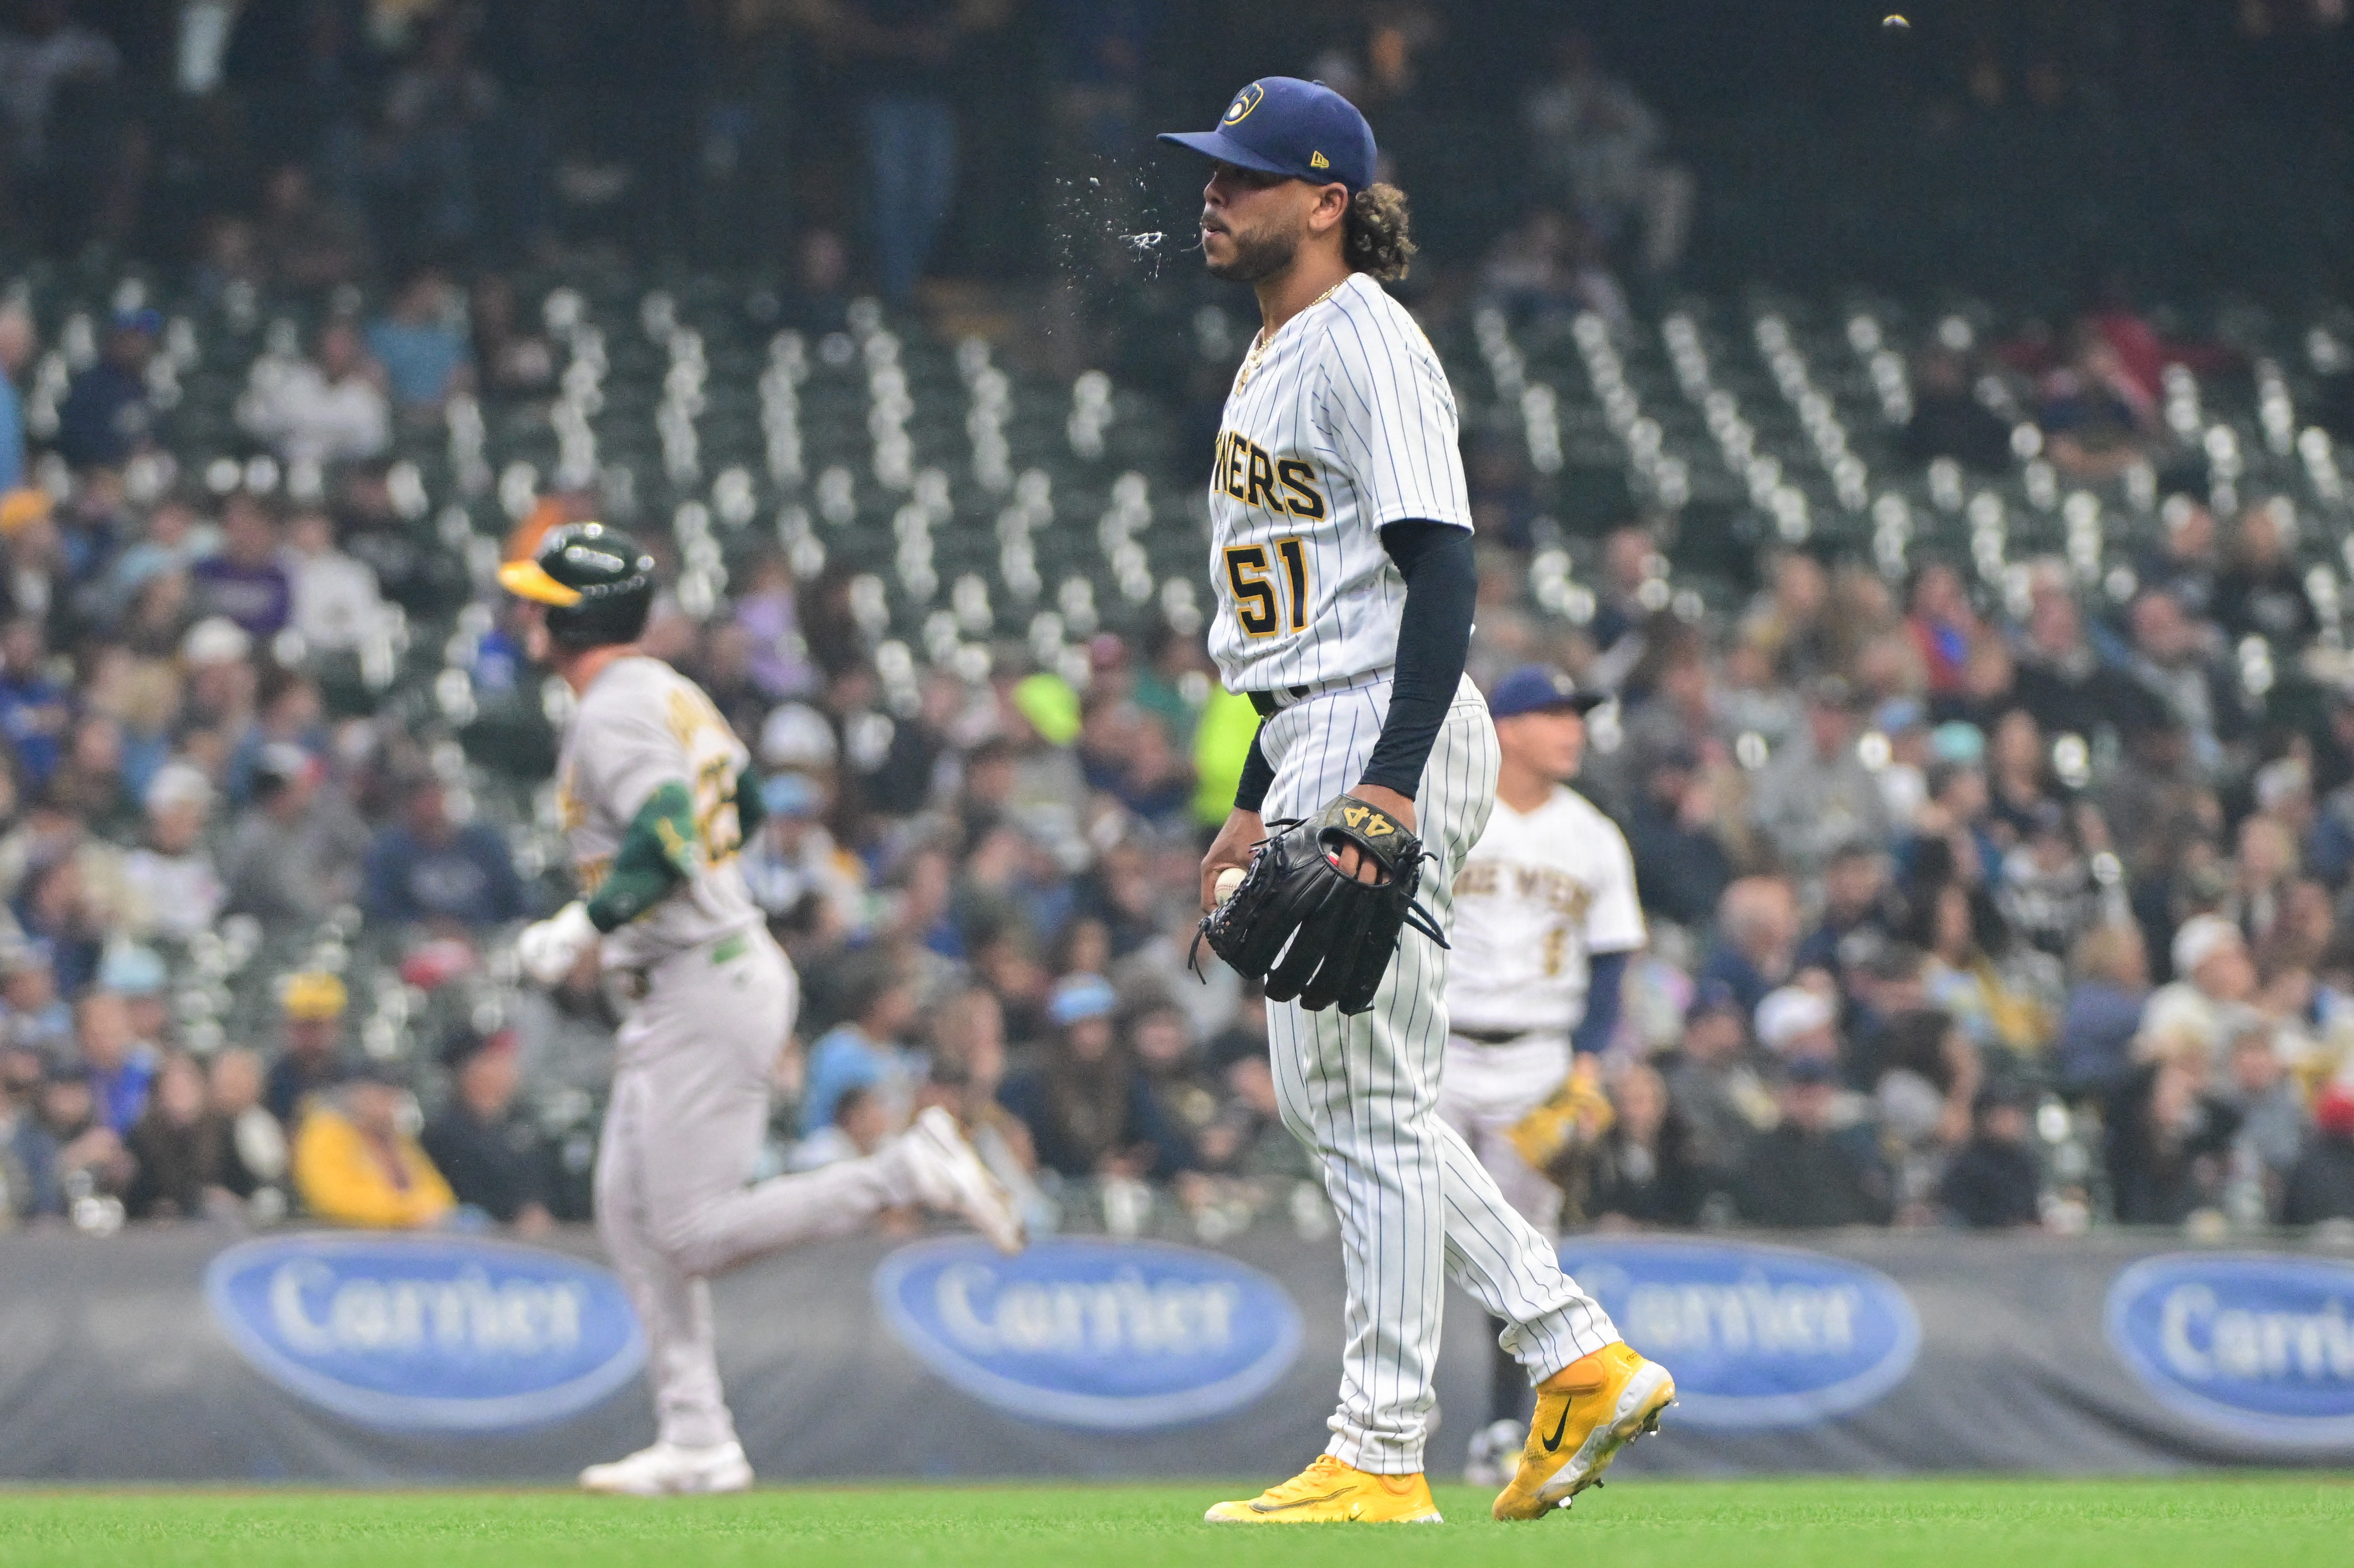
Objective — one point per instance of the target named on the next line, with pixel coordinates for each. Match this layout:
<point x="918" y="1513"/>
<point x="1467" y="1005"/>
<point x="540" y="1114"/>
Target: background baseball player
<point x="1341" y="559"/>
<point x="654" y="803"/>
<point x="1545" y="917"/>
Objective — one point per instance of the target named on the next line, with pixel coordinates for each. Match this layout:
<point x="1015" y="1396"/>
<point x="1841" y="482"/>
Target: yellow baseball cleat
<point x="1330" y="1492"/>
<point x="1586" y="1413"/>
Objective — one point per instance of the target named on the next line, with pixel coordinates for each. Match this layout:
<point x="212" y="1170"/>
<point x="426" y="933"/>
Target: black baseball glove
<point x="1307" y="929"/>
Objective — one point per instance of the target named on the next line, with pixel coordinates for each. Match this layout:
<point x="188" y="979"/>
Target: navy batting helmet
<point x="597" y="584"/>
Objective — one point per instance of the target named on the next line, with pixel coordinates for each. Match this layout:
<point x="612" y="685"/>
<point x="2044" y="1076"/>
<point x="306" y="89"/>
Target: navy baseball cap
<point x="1282" y="125"/>
<point x="1532" y="688"/>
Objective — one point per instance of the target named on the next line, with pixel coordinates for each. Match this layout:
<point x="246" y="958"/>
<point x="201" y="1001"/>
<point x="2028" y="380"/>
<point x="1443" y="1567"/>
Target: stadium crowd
<point x="1957" y="916"/>
<point x="1963" y="911"/>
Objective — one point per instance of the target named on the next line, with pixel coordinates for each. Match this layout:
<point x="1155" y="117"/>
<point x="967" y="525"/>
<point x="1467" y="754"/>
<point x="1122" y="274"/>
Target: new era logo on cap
<point x="1282" y="125"/>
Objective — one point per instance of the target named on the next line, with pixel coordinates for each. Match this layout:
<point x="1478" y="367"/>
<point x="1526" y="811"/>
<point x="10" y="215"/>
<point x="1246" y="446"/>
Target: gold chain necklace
<point x="1259" y="343"/>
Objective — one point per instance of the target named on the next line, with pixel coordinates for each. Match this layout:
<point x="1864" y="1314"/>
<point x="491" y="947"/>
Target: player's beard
<point x="1257" y="255"/>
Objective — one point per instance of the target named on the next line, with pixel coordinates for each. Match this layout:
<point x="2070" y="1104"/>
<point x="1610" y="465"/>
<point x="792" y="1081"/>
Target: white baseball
<point x="1228" y="880"/>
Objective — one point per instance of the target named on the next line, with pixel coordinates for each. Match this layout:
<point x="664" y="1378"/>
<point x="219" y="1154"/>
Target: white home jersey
<point x="1341" y="424"/>
<point x="1539" y="893"/>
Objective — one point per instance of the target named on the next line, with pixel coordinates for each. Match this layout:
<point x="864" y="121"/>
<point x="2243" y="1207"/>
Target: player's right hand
<point x="548" y="948"/>
<point x="1231" y="847"/>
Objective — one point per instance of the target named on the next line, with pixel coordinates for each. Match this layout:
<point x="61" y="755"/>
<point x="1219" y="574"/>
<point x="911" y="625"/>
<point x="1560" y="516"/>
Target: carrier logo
<point x="2256" y="1346"/>
<point x="427" y="1334"/>
<point x="1756" y="1336"/>
<point x="1114" y="1336"/>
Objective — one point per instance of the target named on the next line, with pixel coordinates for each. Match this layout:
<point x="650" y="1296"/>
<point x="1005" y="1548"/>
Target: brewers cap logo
<point x="1245" y="101"/>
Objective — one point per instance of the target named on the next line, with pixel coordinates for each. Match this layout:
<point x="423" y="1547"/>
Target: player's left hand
<point x="1349" y="859"/>
<point x="548" y="948"/>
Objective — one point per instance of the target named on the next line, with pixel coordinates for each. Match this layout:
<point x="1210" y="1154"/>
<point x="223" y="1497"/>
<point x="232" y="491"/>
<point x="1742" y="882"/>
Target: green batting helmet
<point x="596" y="581"/>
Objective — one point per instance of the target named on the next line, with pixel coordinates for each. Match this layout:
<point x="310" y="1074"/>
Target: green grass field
<point x="2195" y="1520"/>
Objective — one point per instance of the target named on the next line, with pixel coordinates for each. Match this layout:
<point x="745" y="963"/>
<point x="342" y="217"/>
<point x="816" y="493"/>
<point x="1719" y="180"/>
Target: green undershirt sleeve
<point x="751" y="810"/>
<point x="657" y="853"/>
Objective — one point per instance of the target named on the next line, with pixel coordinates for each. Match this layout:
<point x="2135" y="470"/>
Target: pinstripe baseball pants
<point x="1416" y="1206"/>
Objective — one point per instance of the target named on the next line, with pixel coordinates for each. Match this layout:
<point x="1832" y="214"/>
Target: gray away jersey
<point x="1343" y="423"/>
<point x="641" y="724"/>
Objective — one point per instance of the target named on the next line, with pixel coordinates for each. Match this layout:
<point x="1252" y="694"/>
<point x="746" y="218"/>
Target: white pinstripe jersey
<point x="1343" y="423"/>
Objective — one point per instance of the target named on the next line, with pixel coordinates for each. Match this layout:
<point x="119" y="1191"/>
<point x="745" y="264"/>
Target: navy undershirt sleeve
<point x="1433" y="634"/>
<point x="1605" y="977"/>
<point x="1258" y="776"/>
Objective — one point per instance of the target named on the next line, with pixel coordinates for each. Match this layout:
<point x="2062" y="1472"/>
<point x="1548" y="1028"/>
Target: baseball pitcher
<point x="1340" y="556"/>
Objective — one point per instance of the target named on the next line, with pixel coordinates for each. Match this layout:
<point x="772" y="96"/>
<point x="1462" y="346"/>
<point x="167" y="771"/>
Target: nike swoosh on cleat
<point x="1560" y="1426"/>
<point x="1301" y="1502"/>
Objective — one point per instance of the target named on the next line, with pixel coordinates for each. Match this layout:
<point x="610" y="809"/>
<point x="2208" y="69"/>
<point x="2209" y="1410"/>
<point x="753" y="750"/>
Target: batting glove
<point x="548" y="948"/>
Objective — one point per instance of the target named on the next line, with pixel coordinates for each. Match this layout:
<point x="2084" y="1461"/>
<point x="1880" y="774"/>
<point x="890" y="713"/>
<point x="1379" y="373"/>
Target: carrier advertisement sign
<point x="1110" y="1336"/>
<point x="2254" y="1345"/>
<point x="1758" y="1337"/>
<point x="427" y="1334"/>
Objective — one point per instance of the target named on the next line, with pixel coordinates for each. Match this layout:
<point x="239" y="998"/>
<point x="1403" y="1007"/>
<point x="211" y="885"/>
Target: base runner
<point x="1341" y="559"/>
<point x="654" y="801"/>
<point x="1545" y="918"/>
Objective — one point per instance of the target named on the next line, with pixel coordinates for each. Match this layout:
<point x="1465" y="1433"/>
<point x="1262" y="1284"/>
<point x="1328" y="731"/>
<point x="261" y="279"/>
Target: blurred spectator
<point x="1550" y="263"/>
<point x="1806" y="1174"/>
<point x="868" y="1049"/>
<point x="2261" y="592"/>
<point x="419" y="346"/>
<point x="1088" y="1107"/>
<point x="2320" y="1185"/>
<point x="2186" y="563"/>
<point x="424" y="866"/>
<point x="861" y="1124"/>
<point x="2207" y="1003"/>
<point x="354" y="1166"/>
<point x="36" y="711"/>
<point x="796" y="872"/>
<point x="2097" y="421"/>
<point x="2173" y="662"/>
<point x="38" y="1019"/>
<point x="306" y="243"/>
<point x="1817" y="794"/>
<point x="1681" y="868"/>
<point x="1598" y="144"/>
<point x="1856" y="915"/>
<point x="1974" y="975"/>
<point x="2095" y="1048"/>
<point x="330" y="409"/>
<point x="73" y="1151"/>
<point x="438" y="137"/>
<point x="1185" y="1100"/>
<point x="1716" y="1093"/>
<point x="255" y="1161"/>
<point x="1798" y="1022"/>
<point x="484" y="1146"/>
<point x="1945" y="627"/>
<point x="312" y="1005"/>
<point x="2169" y="1141"/>
<point x="335" y="602"/>
<point x="295" y="856"/>
<point x="1642" y="1175"/>
<point x="180" y="1148"/>
<point x="245" y="583"/>
<point x="1948" y="420"/>
<point x="1757" y="939"/>
<point x="897" y="59"/>
<point x="17" y="340"/>
<point x="2273" y="1122"/>
<point x="121" y="1066"/>
<point x="109" y="413"/>
<point x="1994" y="1181"/>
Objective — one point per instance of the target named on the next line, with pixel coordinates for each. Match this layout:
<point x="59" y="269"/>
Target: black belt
<point x="1268" y="705"/>
<point x="1493" y="1036"/>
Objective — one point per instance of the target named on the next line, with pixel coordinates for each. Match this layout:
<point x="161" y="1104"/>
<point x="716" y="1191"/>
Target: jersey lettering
<point x="1301" y="498"/>
<point x="1342" y="424"/>
<point x="1254" y="593"/>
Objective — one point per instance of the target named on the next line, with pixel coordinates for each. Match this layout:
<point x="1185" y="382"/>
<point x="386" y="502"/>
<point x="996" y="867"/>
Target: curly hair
<point x="1375" y="237"/>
